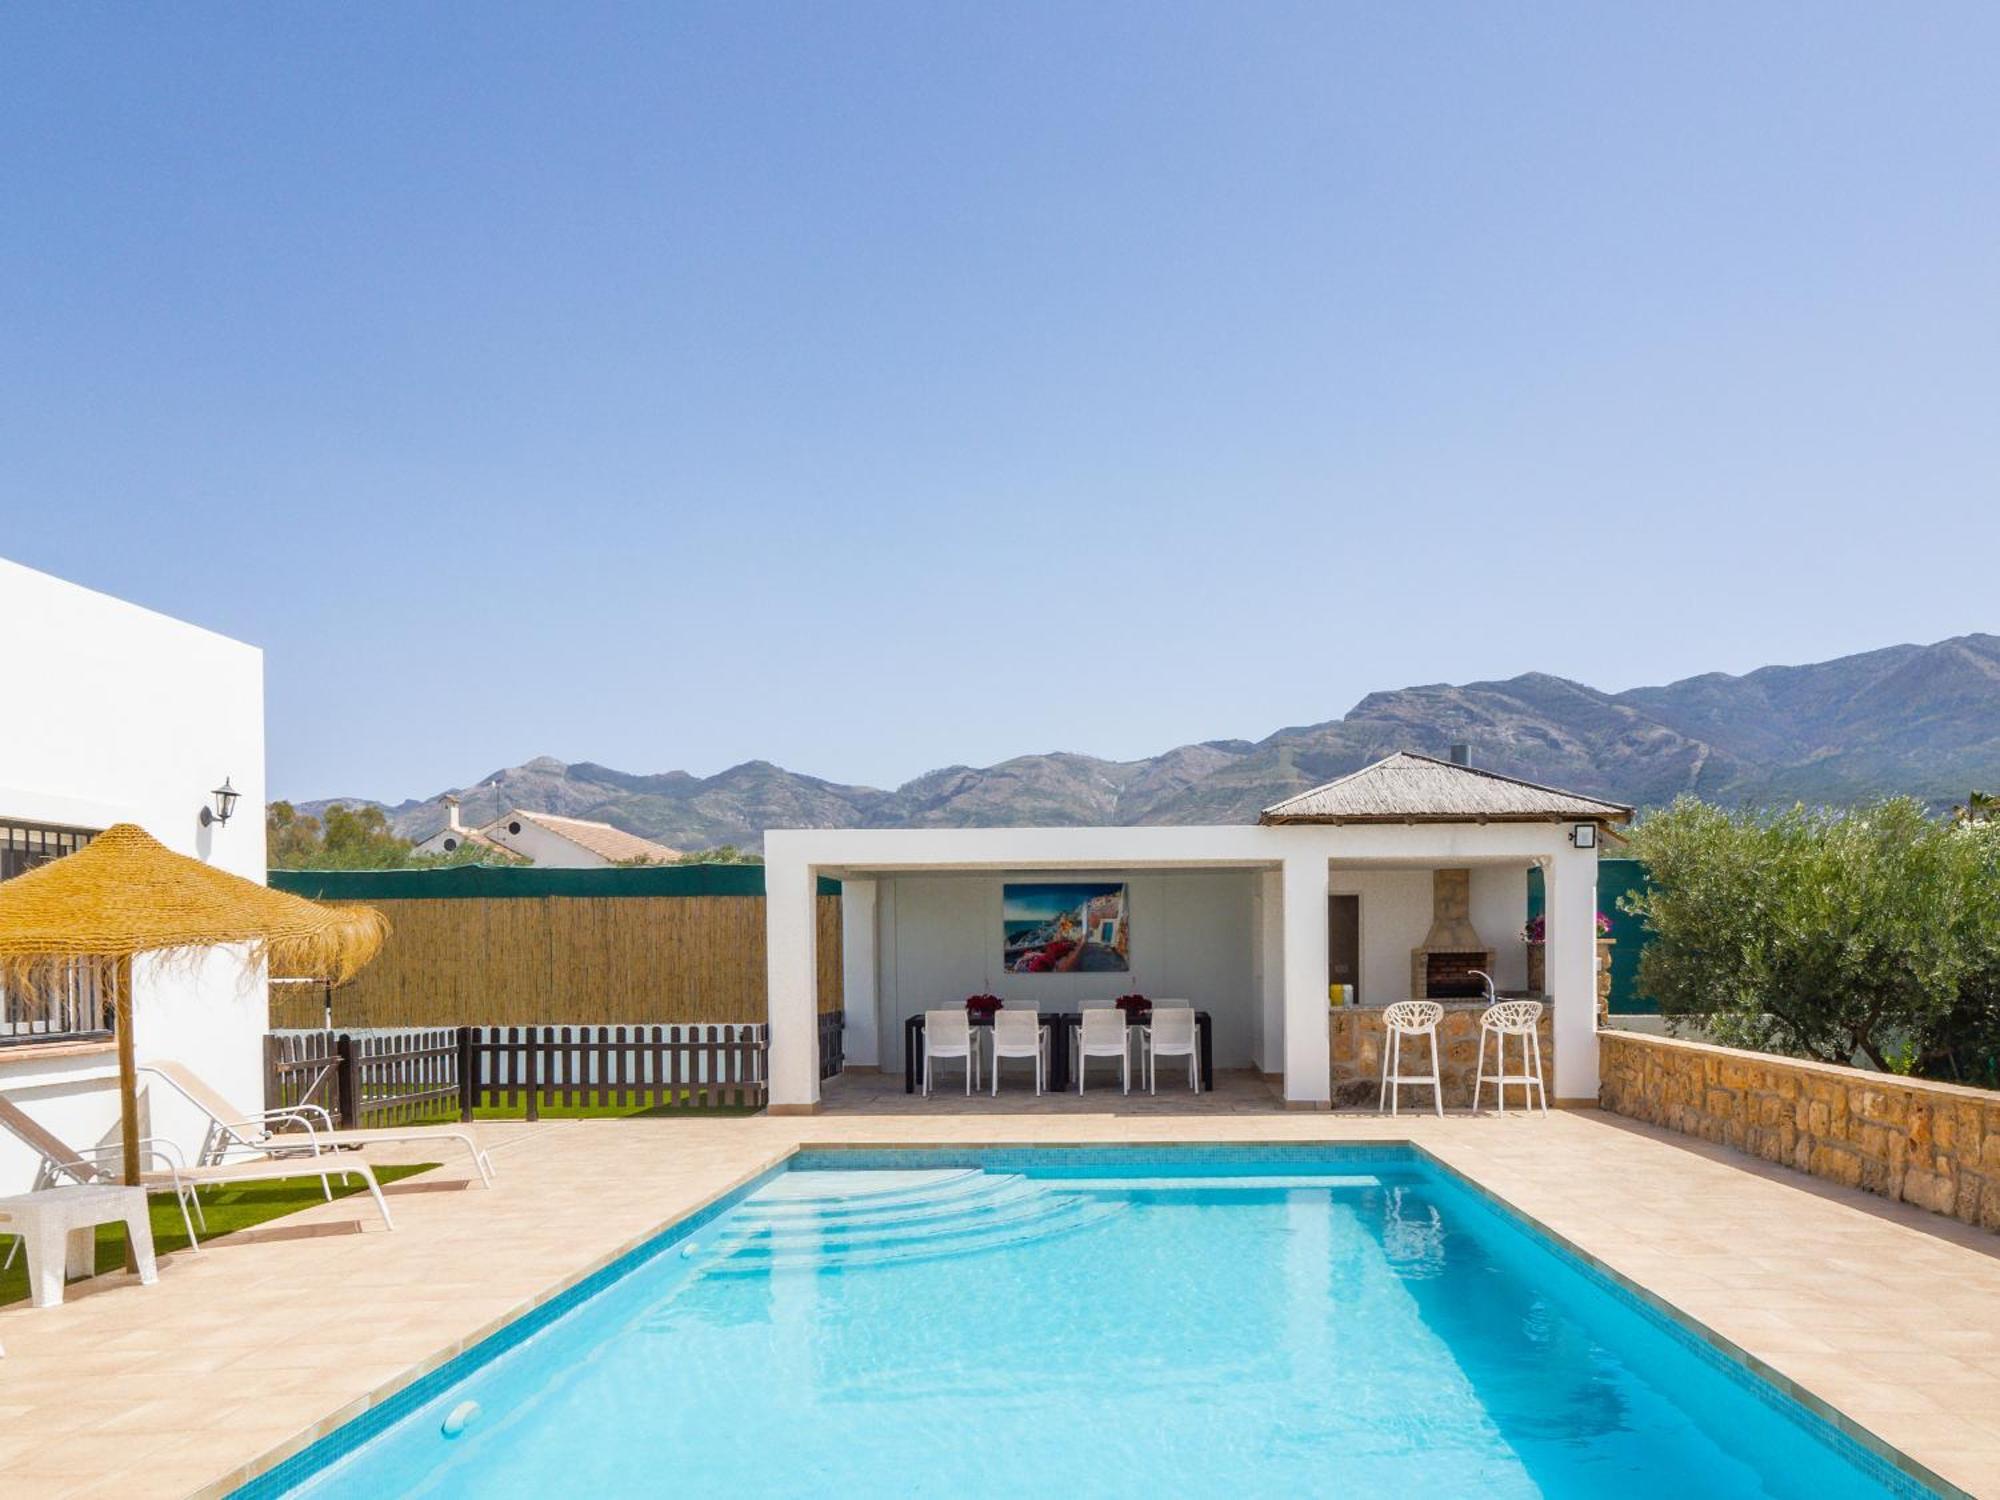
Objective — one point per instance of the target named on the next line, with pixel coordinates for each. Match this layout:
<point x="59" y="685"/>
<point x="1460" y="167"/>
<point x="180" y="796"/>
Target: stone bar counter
<point x="1357" y="1033"/>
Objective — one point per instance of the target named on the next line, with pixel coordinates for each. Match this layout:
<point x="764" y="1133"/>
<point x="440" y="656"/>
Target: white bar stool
<point x="1411" y="1018"/>
<point x="1521" y="1018"/>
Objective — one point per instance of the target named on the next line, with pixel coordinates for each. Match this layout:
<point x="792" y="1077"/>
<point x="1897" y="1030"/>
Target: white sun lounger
<point x="303" y="1127"/>
<point x="167" y="1169"/>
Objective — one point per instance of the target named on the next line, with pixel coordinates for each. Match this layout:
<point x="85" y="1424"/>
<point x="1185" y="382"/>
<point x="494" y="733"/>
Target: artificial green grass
<point x="589" y="1105"/>
<point x="228" y="1207"/>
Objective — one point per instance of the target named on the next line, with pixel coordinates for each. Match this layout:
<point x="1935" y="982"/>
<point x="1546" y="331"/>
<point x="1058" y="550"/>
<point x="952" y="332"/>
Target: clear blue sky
<point x="869" y="388"/>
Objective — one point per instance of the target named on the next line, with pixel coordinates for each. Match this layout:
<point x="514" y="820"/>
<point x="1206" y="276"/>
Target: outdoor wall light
<point x="223" y="805"/>
<point x="1583" y="835"/>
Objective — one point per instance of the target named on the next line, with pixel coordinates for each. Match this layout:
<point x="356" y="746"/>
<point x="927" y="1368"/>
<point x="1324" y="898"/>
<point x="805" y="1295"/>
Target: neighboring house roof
<point x="469" y="836"/>
<point x="614" y="844"/>
<point x="1410" y="788"/>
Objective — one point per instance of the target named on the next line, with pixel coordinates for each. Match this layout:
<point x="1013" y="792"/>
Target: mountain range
<point x="1923" y="720"/>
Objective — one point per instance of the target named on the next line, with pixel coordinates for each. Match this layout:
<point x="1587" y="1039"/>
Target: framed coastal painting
<point x="1064" y="927"/>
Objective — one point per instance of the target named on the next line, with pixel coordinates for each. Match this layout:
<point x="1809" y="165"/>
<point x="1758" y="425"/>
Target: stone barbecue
<point x="1441" y="967"/>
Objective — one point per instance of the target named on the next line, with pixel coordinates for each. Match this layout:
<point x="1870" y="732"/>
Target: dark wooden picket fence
<point x="832" y="1049"/>
<point x="410" y="1076"/>
<point x="304" y="1068"/>
<point x="622" y="1067"/>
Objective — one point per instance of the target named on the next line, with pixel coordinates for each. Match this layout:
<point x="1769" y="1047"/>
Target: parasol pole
<point x="327" y="995"/>
<point x="128" y="1068"/>
<point x="128" y="1083"/>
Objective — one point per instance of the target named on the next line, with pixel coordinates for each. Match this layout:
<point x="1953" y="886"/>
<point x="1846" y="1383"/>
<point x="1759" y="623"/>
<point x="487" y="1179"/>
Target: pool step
<point x="991" y="1195"/>
<point x="1023" y="1209"/>
<point x="813" y="1189"/>
<point x="832" y="1201"/>
<point x="850" y="1219"/>
<point x="1283" y="1182"/>
<point x="753" y="1260"/>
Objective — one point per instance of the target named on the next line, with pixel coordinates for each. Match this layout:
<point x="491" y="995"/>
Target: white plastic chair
<point x="948" y="1034"/>
<point x="1172" y="1033"/>
<point x="1142" y="1035"/>
<point x="1019" y="1032"/>
<point x="1102" y="1034"/>
<point x="1410" y="1018"/>
<point x="1521" y="1018"/>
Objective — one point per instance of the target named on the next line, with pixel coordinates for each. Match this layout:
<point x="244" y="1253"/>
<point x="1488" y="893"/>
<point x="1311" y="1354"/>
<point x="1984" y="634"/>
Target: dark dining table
<point x="1059" y="1024"/>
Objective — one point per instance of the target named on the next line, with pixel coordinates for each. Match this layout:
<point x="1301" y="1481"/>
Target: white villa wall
<point x="1396" y="913"/>
<point x="1499" y="912"/>
<point x="1193" y="936"/>
<point x="134" y="718"/>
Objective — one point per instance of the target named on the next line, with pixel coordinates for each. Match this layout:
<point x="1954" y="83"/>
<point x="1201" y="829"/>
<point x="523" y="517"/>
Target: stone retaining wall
<point x="1932" y="1144"/>
<point x="1357" y="1057"/>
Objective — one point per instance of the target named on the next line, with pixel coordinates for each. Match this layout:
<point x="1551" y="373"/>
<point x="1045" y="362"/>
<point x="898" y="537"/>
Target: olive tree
<point x="1964" y="1045"/>
<point x="1833" y="935"/>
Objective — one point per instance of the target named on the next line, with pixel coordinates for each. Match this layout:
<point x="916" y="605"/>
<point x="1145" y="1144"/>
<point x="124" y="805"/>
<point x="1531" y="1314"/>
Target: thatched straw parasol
<point x="125" y="893"/>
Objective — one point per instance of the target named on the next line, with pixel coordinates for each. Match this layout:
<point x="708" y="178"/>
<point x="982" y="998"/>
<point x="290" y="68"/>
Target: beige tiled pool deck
<point x="1883" y="1315"/>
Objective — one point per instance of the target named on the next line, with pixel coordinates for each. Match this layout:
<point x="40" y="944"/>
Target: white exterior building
<point x="549" y="841"/>
<point x="454" y="835"/>
<point x="122" y="715"/>
<point x="1235" y="918"/>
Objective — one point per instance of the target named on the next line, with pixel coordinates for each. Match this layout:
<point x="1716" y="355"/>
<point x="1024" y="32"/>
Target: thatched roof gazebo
<point x="1411" y="788"/>
<point x="125" y="894"/>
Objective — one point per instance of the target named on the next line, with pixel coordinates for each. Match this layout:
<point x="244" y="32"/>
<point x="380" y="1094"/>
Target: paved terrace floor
<point x="1887" y="1317"/>
<point x="1235" y="1093"/>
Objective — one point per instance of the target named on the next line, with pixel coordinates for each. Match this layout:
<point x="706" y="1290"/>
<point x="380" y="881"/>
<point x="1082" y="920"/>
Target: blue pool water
<point x="1099" y="1323"/>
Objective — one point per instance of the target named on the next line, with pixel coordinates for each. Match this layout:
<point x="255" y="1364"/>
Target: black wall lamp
<point x="223" y="805"/>
<point x="1583" y="835"/>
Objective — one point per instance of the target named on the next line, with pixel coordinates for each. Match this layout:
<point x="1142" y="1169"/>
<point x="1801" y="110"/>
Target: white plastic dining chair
<point x="1142" y="1035"/>
<point x="1411" y="1019"/>
<point x="1102" y="1034"/>
<point x="1018" y="1032"/>
<point x="1172" y="1033"/>
<point x="1521" y="1018"/>
<point x="949" y="1034"/>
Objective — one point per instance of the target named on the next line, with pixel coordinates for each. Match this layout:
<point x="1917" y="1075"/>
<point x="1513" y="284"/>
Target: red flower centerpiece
<point x="981" y="1007"/>
<point x="1132" y="1003"/>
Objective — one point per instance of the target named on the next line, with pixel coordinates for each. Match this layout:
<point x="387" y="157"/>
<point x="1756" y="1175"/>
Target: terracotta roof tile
<point x="614" y="844"/>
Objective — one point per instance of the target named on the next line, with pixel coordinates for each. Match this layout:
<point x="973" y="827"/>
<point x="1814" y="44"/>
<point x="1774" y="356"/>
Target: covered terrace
<point x="1358" y="882"/>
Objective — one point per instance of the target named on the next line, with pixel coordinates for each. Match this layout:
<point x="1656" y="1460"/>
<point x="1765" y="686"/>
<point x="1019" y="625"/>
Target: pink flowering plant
<point x="1536" y="932"/>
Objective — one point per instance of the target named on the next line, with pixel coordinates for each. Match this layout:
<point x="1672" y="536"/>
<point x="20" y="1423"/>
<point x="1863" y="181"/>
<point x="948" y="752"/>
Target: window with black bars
<point x="74" y="1004"/>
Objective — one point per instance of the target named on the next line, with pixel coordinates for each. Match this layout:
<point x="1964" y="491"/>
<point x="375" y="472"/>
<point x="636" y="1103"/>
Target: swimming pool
<point x="1103" y="1322"/>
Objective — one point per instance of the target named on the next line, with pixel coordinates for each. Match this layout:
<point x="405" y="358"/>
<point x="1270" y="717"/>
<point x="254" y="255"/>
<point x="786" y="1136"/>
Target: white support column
<point x="859" y="994"/>
<point x="791" y="979"/>
<point x="1271" y="950"/>
<point x="1571" y="885"/>
<point x="1308" y="1067"/>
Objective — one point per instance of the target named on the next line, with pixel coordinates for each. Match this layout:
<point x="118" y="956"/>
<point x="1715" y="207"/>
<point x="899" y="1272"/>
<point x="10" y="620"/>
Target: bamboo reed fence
<point x="556" y="960"/>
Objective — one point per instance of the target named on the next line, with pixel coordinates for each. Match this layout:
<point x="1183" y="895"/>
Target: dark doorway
<point x="1343" y="941"/>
